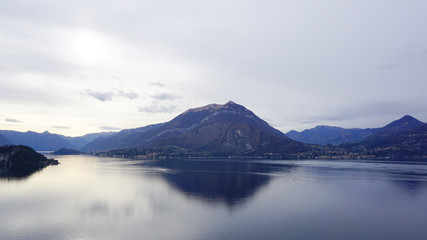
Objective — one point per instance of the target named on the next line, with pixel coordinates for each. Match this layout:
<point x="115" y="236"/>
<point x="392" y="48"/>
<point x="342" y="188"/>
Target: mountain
<point x="218" y="130"/>
<point x="404" y="124"/>
<point x="4" y="141"/>
<point x="82" y="141"/>
<point x="403" y="138"/>
<point x="323" y="135"/>
<point x="67" y="151"/>
<point x="122" y="139"/>
<point x="39" y="141"/>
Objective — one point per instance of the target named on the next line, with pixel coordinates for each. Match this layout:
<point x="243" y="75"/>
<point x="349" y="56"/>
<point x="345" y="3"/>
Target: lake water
<point x="87" y="197"/>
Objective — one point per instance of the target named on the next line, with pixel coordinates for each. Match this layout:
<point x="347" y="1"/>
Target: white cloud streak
<point x="158" y="109"/>
<point x="12" y="120"/>
<point x="101" y="96"/>
<point x="108" y="128"/>
<point x="165" y="96"/>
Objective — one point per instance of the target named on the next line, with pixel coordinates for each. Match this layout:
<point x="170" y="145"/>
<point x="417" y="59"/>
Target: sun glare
<point x="89" y="46"/>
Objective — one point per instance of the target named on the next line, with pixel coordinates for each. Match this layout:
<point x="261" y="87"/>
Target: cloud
<point x="117" y="77"/>
<point x="108" y="96"/>
<point x="158" y="84"/>
<point x="158" y="109"/>
<point x="107" y="128"/>
<point x="130" y="94"/>
<point x="191" y="52"/>
<point x="101" y="96"/>
<point x="165" y="96"/>
<point x="12" y="120"/>
<point x="379" y="113"/>
<point x="61" y="127"/>
<point x="404" y="56"/>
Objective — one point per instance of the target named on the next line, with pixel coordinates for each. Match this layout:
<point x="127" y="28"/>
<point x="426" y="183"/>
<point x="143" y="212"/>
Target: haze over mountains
<point x="46" y="141"/>
<point x="4" y="140"/>
<point x="232" y="130"/>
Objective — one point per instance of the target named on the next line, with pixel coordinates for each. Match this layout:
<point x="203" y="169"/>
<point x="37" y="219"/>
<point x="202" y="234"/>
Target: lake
<point x="88" y="197"/>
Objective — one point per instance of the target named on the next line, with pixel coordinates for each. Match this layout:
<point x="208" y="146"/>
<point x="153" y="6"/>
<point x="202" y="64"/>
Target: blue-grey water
<point x="87" y="197"/>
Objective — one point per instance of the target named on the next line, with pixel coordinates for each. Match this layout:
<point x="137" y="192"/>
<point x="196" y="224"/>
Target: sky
<point x="76" y="67"/>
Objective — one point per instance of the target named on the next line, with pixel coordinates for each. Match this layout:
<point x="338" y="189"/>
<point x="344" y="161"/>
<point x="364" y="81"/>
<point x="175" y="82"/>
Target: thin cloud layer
<point x="108" y="96"/>
<point x="108" y="128"/>
<point x="12" y="120"/>
<point x="130" y="94"/>
<point x="158" y="84"/>
<point x="158" y="109"/>
<point x="165" y="96"/>
<point x="101" y="96"/>
<point x="60" y="127"/>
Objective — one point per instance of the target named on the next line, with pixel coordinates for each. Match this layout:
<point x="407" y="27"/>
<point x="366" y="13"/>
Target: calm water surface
<point x="89" y="197"/>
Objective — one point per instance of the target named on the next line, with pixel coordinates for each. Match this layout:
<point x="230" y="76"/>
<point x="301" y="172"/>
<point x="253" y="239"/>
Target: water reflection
<point x="410" y="177"/>
<point x="411" y="186"/>
<point x="219" y="181"/>
<point x="103" y="198"/>
<point x="14" y="173"/>
<point x="104" y="209"/>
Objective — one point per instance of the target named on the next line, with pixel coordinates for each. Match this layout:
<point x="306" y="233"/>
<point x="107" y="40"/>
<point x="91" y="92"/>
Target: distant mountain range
<point x="123" y="139"/>
<point x="403" y="125"/>
<point x="4" y="140"/>
<point x="80" y="142"/>
<point x="231" y="130"/>
<point x="47" y="141"/>
<point x="324" y="135"/>
<point x="403" y="138"/>
<point x="39" y="141"/>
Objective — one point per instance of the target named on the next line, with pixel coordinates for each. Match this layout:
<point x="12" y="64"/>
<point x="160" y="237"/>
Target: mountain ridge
<point x="324" y="134"/>
<point x="231" y="130"/>
<point x="44" y="141"/>
<point x="4" y="140"/>
<point x="406" y="123"/>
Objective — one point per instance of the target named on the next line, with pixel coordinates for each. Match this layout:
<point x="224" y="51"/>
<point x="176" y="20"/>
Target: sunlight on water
<point x="88" y="197"/>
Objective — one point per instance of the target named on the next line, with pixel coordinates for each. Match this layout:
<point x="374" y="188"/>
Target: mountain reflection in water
<point x="228" y="182"/>
<point x="21" y="173"/>
<point x="88" y="197"/>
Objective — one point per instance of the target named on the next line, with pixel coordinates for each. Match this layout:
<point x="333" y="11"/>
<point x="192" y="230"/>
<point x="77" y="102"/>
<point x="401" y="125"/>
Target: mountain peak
<point x="231" y="103"/>
<point x="406" y="123"/>
<point x="230" y="111"/>
<point x="408" y="118"/>
<point x="215" y="107"/>
<point x="326" y="127"/>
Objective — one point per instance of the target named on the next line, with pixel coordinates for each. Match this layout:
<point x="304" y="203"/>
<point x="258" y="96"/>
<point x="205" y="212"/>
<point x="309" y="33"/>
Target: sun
<point x="89" y="46"/>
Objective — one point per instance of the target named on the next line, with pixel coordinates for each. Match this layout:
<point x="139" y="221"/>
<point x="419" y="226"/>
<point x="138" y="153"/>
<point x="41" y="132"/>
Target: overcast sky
<point x="74" y="67"/>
